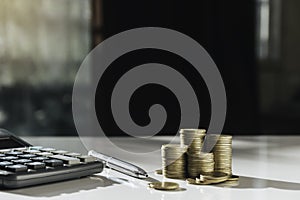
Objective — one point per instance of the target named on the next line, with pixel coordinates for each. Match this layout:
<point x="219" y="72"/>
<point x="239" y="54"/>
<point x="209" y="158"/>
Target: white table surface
<point x="268" y="167"/>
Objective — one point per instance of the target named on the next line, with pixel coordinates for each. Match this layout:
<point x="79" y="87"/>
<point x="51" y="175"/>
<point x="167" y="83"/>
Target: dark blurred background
<point x="255" y="44"/>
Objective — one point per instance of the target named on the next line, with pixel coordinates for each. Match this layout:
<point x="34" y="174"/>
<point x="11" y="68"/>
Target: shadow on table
<point x="72" y="186"/>
<point x="252" y="183"/>
<point x="65" y="187"/>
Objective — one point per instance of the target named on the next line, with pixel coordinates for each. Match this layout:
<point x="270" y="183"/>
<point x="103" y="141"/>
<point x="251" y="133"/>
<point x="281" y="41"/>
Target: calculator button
<point x="32" y="151"/>
<point x="14" y="153"/>
<point x="4" y="173"/>
<point x="53" y="162"/>
<point x="47" y="149"/>
<point x="5" y="150"/>
<point x="67" y="160"/>
<point x="21" y="161"/>
<point x="87" y="159"/>
<point x="28" y="156"/>
<point x="73" y="154"/>
<point x="40" y="158"/>
<point x="3" y="164"/>
<point x="16" y="168"/>
<point x="60" y="152"/>
<point x="36" y="165"/>
<point x="20" y="149"/>
<point x="7" y="158"/>
<point x="44" y="154"/>
<point x="36" y="148"/>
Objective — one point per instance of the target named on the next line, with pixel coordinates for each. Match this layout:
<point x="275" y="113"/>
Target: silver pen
<point x="120" y="165"/>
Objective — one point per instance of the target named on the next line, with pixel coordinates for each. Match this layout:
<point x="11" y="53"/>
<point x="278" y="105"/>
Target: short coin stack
<point x="222" y="153"/>
<point x="200" y="163"/>
<point x="174" y="160"/>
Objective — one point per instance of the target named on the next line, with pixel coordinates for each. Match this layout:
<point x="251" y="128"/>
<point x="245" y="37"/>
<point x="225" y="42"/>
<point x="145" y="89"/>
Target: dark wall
<point x="226" y="29"/>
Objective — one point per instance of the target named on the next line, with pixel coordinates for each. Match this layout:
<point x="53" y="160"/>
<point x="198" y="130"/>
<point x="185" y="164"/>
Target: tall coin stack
<point x="222" y="153"/>
<point x="194" y="138"/>
<point x="200" y="163"/>
<point x="174" y="160"/>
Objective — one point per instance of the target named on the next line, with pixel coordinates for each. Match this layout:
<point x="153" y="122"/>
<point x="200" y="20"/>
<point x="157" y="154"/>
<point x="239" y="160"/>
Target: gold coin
<point x="158" y="171"/>
<point x="212" y="181"/>
<point x="215" y="176"/>
<point x="229" y="184"/>
<point x="164" y="185"/>
<point x="192" y="130"/>
<point x="233" y="178"/>
<point x="174" y="146"/>
<point x="194" y="182"/>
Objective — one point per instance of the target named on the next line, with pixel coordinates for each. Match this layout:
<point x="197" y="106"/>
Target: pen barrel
<point x="119" y="165"/>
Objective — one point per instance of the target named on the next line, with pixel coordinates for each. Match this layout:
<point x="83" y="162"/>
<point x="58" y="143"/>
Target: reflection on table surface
<point x="267" y="166"/>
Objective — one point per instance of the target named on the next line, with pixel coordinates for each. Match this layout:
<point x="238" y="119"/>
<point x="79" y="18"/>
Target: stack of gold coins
<point x="200" y="163"/>
<point x="193" y="138"/>
<point x="174" y="160"/>
<point x="222" y="153"/>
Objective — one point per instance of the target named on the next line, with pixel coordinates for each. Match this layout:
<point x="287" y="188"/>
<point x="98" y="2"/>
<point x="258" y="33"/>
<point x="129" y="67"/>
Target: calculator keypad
<point x="38" y="158"/>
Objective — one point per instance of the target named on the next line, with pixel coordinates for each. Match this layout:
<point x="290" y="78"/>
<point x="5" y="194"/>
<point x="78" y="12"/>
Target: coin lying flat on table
<point x="164" y="185"/>
<point x="215" y="176"/>
<point x="233" y="178"/>
<point x="194" y="182"/>
<point x="228" y="184"/>
<point x="211" y="181"/>
<point x="211" y="178"/>
<point x="198" y="181"/>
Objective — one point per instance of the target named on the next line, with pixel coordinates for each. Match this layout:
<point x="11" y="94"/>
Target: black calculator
<point x="22" y="164"/>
